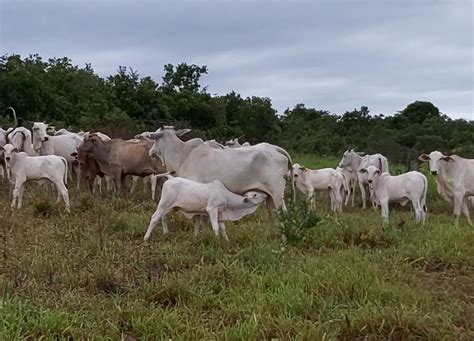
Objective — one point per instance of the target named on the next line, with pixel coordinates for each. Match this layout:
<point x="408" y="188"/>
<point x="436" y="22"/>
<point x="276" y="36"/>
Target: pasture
<point x="88" y="274"/>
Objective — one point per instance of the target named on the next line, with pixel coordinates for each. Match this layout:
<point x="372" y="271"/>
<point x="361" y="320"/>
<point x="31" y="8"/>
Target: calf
<point x="197" y="199"/>
<point x="24" y="168"/>
<point x="385" y="188"/>
<point x="327" y="179"/>
<point x="354" y="161"/>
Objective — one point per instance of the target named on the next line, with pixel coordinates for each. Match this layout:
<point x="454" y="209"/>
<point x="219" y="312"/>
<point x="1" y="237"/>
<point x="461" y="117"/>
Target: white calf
<point x="24" y="168"/>
<point x="411" y="186"/>
<point x="197" y="199"/>
<point x="327" y="179"/>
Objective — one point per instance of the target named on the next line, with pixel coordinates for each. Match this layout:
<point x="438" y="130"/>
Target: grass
<point x="89" y="275"/>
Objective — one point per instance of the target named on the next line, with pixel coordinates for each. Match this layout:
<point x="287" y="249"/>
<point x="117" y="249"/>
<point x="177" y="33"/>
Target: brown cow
<point x="118" y="158"/>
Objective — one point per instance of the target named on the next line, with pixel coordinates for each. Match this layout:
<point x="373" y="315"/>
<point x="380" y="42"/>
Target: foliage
<point x="125" y="103"/>
<point x="295" y="220"/>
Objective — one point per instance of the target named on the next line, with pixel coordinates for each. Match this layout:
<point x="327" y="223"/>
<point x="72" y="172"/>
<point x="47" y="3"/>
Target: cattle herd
<point x="214" y="181"/>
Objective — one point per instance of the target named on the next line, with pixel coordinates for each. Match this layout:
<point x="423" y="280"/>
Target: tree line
<point x="66" y="95"/>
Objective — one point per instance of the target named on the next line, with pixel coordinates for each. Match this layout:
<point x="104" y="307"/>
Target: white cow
<point x="24" y="168"/>
<point x="454" y="179"/>
<point x="385" y="188"/>
<point x="353" y="161"/>
<point x="350" y="182"/>
<point x="196" y="199"/>
<point x="320" y="180"/>
<point x="261" y="167"/>
<point x="61" y="145"/>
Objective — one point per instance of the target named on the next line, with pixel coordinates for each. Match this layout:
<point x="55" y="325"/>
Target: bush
<point x="296" y="220"/>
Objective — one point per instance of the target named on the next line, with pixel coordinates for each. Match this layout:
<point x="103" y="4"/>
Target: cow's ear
<point x="424" y="158"/>
<point x="447" y="159"/>
<point x="303" y="168"/>
<point x="181" y="132"/>
<point x="363" y="170"/>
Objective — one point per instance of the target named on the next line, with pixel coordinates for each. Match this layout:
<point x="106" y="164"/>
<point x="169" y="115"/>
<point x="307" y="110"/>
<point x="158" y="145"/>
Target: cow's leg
<point x="97" y="187"/>
<point x="416" y="209"/>
<point x="20" y="197"/>
<point x="458" y="202"/>
<point x="197" y="224"/>
<point x="222" y="229"/>
<point x="353" y="192"/>
<point x="362" y="194"/>
<point x="159" y="214"/>
<point x="385" y="210"/>
<point x="118" y="183"/>
<point x="77" y="172"/>
<point x="134" y="184"/>
<point x="311" y="199"/>
<point x="213" y="217"/>
<point x="64" y="193"/>
<point x="16" y="193"/>
<point x="153" y="181"/>
<point x="465" y="210"/>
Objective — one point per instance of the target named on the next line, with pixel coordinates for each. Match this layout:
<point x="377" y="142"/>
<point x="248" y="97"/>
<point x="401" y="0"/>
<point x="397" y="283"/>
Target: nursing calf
<point x="385" y="188"/>
<point x="203" y="199"/>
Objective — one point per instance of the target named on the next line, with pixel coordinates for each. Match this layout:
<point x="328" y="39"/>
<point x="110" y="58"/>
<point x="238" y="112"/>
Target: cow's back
<point x="239" y="169"/>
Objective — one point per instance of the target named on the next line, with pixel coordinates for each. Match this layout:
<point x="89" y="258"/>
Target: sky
<point x="333" y="55"/>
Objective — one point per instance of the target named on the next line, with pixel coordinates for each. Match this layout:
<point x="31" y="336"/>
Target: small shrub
<point x="296" y="221"/>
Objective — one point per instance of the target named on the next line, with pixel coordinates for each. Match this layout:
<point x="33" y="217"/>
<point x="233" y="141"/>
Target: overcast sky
<point x="333" y="55"/>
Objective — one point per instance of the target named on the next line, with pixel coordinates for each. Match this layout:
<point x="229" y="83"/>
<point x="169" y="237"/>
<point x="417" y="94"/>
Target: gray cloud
<point x="332" y="55"/>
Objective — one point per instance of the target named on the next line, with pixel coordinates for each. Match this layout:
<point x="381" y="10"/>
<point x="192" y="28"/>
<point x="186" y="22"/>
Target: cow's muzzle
<point x="7" y="158"/>
<point x="369" y="181"/>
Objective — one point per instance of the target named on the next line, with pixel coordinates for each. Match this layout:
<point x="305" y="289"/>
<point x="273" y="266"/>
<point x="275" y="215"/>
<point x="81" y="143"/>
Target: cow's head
<point x="373" y="175"/>
<point x="8" y="151"/>
<point x="162" y="137"/>
<point x="298" y="171"/>
<point x="90" y="143"/>
<point x="39" y="134"/>
<point x="350" y="158"/>
<point x="434" y="158"/>
<point x="254" y="198"/>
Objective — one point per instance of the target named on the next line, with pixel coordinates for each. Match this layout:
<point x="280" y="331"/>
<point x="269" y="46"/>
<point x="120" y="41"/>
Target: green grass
<point x="89" y="274"/>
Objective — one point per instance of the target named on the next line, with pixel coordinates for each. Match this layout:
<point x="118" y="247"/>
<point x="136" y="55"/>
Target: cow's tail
<point x="425" y="191"/>
<point x="65" y="171"/>
<point x="290" y="167"/>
